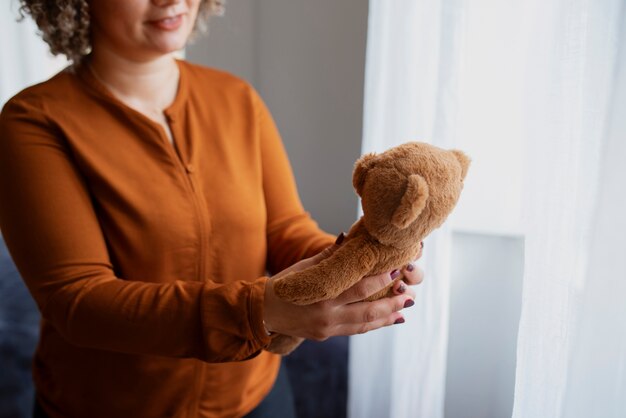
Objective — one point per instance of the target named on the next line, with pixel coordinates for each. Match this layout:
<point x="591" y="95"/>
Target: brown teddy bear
<point x="406" y="192"/>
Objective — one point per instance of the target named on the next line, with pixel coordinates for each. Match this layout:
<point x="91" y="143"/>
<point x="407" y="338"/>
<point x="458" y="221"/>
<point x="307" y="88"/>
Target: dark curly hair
<point x="64" y="24"/>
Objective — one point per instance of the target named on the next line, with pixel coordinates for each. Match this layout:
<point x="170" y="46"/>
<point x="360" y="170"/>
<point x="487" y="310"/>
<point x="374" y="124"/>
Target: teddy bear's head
<point x="408" y="191"/>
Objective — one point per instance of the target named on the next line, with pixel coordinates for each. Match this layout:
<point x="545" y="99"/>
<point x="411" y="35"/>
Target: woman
<point x="143" y="199"/>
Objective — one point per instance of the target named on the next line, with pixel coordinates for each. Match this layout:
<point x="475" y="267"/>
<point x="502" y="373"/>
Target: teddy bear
<point x="406" y="192"/>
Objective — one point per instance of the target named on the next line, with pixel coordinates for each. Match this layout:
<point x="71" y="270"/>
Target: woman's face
<point x="142" y="29"/>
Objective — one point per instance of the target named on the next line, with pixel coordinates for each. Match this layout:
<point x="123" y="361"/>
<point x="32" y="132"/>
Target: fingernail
<point x="410" y="267"/>
<point x="421" y="244"/>
<point x="394" y="274"/>
<point x="339" y="239"/>
<point x="399" y="321"/>
<point x="401" y="288"/>
<point x="409" y="303"/>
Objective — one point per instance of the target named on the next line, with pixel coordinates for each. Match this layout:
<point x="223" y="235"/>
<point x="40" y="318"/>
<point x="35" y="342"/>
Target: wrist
<point x="267" y="307"/>
<point x="267" y="331"/>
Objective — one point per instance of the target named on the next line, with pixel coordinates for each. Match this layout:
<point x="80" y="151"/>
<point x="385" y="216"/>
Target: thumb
<point x="328" y="251"/>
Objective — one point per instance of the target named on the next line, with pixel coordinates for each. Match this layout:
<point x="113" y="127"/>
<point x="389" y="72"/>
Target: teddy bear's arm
<point x="329" y="278"/>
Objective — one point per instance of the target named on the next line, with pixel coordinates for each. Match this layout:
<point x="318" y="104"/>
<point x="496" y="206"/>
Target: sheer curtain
<point x="411" y="94"/>
<point x="572" y="336"/>
<point x="549" y="83"/>
<point x="24" y="57"/>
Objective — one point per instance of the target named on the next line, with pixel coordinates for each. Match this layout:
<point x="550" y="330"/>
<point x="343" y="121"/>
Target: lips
<point x="168" y="23"/>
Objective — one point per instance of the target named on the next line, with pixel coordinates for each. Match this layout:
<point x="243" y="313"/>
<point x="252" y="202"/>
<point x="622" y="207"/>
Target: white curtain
<point x="536" y="90"/>
<point x="411" y="94"/>
<point x="572" y="338"/>
<point x="24" y="57"/>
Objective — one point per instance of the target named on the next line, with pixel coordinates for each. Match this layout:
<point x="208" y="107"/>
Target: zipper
<point x="187" y="170"/>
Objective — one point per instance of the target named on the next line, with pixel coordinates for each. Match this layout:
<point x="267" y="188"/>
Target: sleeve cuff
<point x="256" y="312"/>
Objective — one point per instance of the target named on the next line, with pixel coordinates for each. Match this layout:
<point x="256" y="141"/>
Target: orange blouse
<point x="147" y="260"/>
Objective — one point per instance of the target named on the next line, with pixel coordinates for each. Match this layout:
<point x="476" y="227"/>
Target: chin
<point x="165" y="42"/>
<point x="170" y="46"/>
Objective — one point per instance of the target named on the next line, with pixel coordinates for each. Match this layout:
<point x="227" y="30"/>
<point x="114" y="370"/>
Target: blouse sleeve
<point x="291" y="233"/>
<point x="53" y="235"/>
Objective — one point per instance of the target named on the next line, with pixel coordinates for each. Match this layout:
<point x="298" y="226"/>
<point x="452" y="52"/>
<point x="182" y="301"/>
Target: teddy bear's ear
<point x="361" y="167"/>
<point x="412" y="203"/>
<point x="464" y="160"/>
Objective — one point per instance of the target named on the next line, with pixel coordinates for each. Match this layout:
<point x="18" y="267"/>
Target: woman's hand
<point x="412" y="274"/>
<point x="344" y="315"/>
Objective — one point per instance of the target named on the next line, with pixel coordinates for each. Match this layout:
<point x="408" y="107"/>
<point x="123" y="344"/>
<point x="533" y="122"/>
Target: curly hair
<point x="65" y="24"/>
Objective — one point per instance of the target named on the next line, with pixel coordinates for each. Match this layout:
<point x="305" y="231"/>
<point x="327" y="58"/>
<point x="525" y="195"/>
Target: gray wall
<point x="307" y="60"/>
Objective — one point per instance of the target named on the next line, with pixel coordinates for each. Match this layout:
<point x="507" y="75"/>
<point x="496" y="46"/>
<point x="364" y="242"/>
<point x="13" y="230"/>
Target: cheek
<point x="193" y="6"/>
<point x="116" y="16"/>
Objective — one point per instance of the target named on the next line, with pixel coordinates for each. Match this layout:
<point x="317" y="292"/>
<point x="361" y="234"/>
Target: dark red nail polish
<point x="409" y="303"/>
<point x="394" y="274"/>
<point x="410" y="267"/>
<point x="399" y="321"/>
<point x="421" y="244"/>
<point x="339" y="239"/>
<point x="401" y="288"/>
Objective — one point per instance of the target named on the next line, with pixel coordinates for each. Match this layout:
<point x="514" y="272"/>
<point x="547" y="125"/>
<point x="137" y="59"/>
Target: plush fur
<point x="406" y="192"/>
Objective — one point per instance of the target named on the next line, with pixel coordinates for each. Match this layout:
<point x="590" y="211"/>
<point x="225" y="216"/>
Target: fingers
<point x="419" y="251"/>
<point x="362" y="317"/>
<point x="401" y="288"/>
<point x="311" y="261"/>
<point x="413" y="274"/>
<point x="328" y="251"/>
<point x="366" y="287"/>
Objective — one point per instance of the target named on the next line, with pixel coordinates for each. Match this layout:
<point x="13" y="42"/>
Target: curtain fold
<point x="410" y="95"/>
<point x="571" y="344"/>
